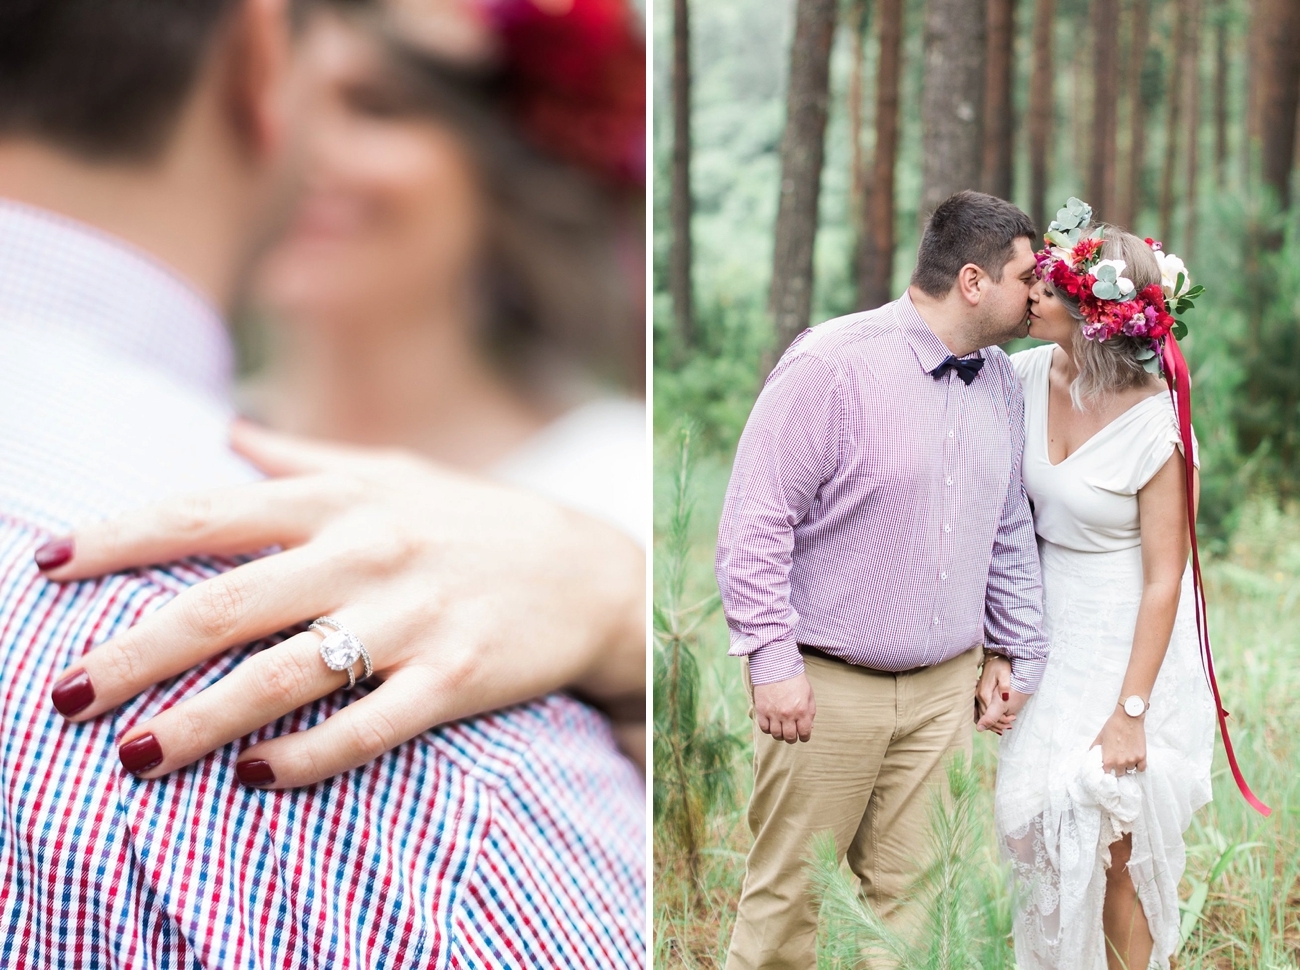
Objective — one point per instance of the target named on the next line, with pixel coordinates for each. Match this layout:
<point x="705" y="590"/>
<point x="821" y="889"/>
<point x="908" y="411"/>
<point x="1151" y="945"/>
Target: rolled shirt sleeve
<point x="1013" y="612"/>
<point x="788" y="450"/>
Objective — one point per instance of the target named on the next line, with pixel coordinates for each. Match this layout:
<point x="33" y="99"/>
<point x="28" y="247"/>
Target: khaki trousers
<point x="877" y="752"/>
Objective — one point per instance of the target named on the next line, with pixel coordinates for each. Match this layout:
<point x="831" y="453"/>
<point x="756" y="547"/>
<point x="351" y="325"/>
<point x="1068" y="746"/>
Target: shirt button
<point x="951" y="433"/>
<point x="947" y="528"/>
<point x="936" y="621"/>
<point x="943" y="575"/>
<point x="948" y="480"/>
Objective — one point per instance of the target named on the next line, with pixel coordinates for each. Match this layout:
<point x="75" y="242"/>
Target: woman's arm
<point x="468" y="596"/>
<point x="1162" y="513"/>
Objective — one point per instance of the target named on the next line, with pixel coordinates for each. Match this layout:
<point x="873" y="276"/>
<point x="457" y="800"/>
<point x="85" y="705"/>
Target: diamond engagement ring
<point x="341" y="648"/>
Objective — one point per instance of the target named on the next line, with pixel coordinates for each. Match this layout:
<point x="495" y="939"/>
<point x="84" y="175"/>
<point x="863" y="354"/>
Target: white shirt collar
<point x="59" y="270"/>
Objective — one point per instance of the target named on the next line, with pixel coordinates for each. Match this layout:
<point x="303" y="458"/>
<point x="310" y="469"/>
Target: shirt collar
<point x="930" y="351"/>
<point x="56" y="270"/>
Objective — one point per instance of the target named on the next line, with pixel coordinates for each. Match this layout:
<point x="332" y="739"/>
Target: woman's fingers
<point x="225" y="521"/>
<point x="396" y="711"/>
<point x="245" y="604"/>
<point x="265" y="687"/>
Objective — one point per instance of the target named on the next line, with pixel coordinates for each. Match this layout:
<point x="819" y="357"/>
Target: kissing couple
<point x="915" y="516"/>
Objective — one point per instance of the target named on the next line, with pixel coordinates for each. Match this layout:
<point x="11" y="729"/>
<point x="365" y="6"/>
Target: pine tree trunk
<point x="876" y="255"/>
<point x="802" y="152"/>
<point x="1173" y="121"/>
<point x="680" y="259"/>
<point x="1192" y="79"/>
<point x="999" y="118"/>
<point x="1279" y="90"/>
<point x="857" y="175"/>
<point x="1130" y="190"/>
<point x="1041" y="107"/>
<point x="1254" y="52"/>
<point x="952" y="103"/>
<point x="1221" y="96"/>
<point x="1105" y="102"/>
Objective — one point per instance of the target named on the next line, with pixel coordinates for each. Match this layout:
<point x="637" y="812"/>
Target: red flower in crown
<point x="575" y="77"/>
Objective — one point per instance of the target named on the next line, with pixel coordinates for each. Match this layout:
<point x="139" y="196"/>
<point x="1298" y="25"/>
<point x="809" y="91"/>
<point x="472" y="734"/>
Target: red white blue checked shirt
<point x="510" y="840"/>
<point x="877" y="513"/>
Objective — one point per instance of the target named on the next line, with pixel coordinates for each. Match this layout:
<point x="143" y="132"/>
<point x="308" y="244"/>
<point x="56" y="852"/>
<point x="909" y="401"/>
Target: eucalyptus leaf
<point x="1152" y="365"/>
<point x="1108" y="273"/>
<point x="1105" y="290"/>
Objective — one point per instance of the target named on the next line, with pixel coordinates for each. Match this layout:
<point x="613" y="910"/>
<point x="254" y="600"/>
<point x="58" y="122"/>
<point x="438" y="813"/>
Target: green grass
<point x="1243" y="874"/>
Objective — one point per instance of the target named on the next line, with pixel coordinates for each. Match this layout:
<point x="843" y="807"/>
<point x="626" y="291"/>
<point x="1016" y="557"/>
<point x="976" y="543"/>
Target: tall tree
<point x="1129" y="191"/>
<point x="1041" y="105"/>
<point x="680" y="259"/>
<point x="802" y="152"/>
<point x="856" y="23"/>
<point x="1173" y="120"/>
<point x="1278" y="92"/>
<point x="999" y="119"/>
<point x="1105" y="104"/>
<point x="1192" y="82"/>
<point x="952" y="103"/>
<point x="1221" y="94"/>
<point x="876" y="252"/>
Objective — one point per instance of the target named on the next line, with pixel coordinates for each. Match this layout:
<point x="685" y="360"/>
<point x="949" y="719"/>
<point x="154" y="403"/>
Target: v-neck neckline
<point x="1047" y="418"/>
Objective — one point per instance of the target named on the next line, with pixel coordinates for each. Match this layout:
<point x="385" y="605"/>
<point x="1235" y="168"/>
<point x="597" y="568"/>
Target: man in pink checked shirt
<point x="875" y="535"/>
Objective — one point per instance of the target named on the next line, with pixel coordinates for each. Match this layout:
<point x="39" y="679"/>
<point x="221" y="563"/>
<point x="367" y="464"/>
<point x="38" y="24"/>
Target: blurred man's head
<point x="110" y="103"/>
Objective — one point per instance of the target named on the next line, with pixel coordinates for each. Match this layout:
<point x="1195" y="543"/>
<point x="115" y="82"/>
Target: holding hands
<point x="996" y="702"/>
<point x="467" y="596"/>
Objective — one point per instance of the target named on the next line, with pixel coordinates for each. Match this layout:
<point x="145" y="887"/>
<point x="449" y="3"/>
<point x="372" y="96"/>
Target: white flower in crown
<point x="1171" y="267"/>
<point x="1110" y="285"/>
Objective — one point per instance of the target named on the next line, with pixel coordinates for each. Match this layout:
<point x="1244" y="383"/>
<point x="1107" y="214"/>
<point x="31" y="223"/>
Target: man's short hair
<point x="104" y="79"/>
<point x="969" y="227"/>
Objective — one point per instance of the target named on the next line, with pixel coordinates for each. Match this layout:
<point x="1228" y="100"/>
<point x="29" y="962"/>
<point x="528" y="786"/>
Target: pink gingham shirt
<point x="877" y="513"/>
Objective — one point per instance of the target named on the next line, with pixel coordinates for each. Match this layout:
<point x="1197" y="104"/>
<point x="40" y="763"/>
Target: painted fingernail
<point x="1006" y="696"/>
<point x="255" y="772"/>
<point x="54" y="553"/>
<point x="141" y="754"/>
<point x="73" y="694"/>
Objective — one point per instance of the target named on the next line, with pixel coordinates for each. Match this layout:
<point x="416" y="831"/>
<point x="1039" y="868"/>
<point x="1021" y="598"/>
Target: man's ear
<point x="256" y="75"/>
<point x="968" y="284"/>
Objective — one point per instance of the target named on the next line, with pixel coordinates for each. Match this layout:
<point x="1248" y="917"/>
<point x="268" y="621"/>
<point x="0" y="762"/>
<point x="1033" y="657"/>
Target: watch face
<point x="1134" y="706"/>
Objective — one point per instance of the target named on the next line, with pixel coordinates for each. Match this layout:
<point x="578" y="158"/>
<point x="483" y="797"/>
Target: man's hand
<point x="785" y="709"/>
<point x="996" y="702"/>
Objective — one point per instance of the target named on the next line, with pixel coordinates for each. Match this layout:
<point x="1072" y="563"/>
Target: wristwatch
<point x="1135" y="706"/>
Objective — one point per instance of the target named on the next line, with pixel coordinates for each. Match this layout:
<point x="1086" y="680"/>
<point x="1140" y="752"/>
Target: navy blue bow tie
<point x="967" y="370"/>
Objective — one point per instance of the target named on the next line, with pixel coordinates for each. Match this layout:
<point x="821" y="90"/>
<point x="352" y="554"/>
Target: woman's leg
<point x="1128" y="938"/>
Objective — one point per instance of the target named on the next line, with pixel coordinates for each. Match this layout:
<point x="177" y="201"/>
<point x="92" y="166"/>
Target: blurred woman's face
<point x="1049" y="319"/>
<point x="391" y="217"/>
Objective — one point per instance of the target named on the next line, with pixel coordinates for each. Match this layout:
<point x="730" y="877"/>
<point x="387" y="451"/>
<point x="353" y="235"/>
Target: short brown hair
<point x="105" y="79"/>
<point x="968" y="227"/>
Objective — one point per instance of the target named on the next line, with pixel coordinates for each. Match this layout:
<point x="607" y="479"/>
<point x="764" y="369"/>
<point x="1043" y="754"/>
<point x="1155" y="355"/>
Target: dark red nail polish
<point x="1006" y="696"/>
<point x="54" y="553"/>
<point x="255" y="772"/>
<point x="141" y="754"/>
<point x="73" y="694"/>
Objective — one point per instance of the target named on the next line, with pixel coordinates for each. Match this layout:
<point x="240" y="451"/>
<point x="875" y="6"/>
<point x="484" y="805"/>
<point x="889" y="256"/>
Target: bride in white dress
<point x="1108" y="761"/>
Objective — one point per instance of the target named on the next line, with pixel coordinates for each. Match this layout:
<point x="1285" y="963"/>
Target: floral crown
<point x="1110" y="304"/>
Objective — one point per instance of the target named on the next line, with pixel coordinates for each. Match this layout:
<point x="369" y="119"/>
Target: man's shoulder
<point x="87" y="433"/>
<point x="847" y="337"/>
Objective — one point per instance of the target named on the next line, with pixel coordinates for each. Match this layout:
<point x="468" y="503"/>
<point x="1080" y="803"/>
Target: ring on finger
<point x="341" y="649"/>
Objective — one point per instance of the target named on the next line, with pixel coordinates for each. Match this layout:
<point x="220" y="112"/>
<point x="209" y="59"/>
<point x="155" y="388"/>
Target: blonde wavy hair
<point x="1109" y="366"/>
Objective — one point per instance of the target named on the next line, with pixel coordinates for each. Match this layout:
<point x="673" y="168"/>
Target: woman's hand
<point x="996" y="704"/>
<point x="1123" y="742"/>
<point x="468" y="596"/>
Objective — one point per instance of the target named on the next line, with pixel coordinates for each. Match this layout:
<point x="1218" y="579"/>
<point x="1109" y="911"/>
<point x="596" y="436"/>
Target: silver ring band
<point x="341" y="649"/>
<point x="1131" y="771"/>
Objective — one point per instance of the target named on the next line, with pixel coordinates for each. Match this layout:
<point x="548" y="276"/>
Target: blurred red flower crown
<point x="574" y="73"/>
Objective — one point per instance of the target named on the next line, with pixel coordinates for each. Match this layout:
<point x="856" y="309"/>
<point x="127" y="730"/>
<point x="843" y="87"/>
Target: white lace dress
<point x="1056" y="812"/>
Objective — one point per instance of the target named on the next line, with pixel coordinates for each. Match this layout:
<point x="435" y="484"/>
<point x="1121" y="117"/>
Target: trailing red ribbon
<point x="1180" y="390"/>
